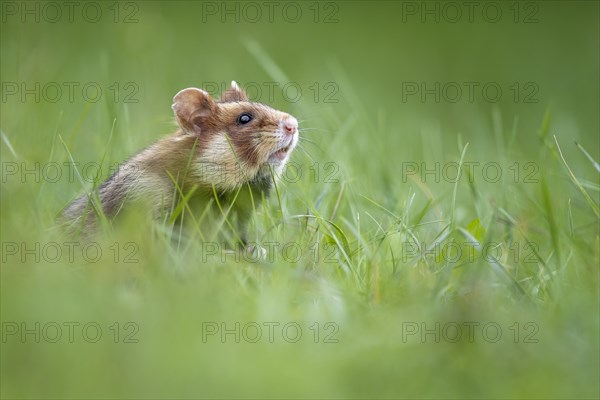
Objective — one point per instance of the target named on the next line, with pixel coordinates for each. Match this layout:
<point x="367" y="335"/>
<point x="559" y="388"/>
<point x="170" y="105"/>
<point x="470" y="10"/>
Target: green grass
<point x="356" y="244"/>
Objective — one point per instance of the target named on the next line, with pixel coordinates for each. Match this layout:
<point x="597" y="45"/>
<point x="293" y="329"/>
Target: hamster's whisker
<point x="318" y="148"/>
<point x="303" y="150"/>
<point x="311" y="130"/>
<point x="305" y="139"/>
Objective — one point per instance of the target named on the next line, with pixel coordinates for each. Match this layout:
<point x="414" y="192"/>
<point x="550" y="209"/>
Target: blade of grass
<point x="545" y="128"/>
<point x="587" y="197"/>
<point x="7" y="143"/>
<point x="549" y="211"/>
<point x="453" y="205"/>
<point x="496" y="265"/>
<point x="589" y="157"/>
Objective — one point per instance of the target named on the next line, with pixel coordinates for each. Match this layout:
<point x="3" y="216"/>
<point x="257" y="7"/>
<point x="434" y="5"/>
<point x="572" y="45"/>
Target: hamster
<point x="222" y="158"/>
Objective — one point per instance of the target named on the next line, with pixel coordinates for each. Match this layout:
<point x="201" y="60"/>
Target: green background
<point x="360" y="130"/>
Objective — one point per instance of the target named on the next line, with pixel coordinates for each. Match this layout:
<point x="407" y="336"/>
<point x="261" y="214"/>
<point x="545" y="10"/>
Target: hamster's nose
<point x="290" y="126"/>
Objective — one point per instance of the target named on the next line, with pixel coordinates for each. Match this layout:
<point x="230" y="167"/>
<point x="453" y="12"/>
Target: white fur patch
<point x="219" y="165"/>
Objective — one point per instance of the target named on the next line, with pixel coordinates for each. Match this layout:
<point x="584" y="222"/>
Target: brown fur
<point x="212" y="149"/>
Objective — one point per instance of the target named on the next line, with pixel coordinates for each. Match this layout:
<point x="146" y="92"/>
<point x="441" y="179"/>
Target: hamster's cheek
<point x="262" y="150"/>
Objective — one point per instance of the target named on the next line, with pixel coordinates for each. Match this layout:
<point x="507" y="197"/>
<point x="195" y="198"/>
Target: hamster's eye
<point x="244" y="118"/>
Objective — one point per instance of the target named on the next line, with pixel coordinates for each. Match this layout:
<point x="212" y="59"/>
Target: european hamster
<point x="225" y="149"/>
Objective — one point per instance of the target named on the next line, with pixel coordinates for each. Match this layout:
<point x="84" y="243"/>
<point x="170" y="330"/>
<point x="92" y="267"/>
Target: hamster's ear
<point x="192" y="108"/>
<point x="234" y="93"/>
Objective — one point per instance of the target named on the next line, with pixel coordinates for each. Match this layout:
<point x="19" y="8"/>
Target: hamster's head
<point x="238" y="140"/>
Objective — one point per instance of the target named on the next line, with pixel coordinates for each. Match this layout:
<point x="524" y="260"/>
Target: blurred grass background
<point x="375" y="286"/>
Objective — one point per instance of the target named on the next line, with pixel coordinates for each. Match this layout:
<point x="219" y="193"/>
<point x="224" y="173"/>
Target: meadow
<point x="435" y="235"/>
